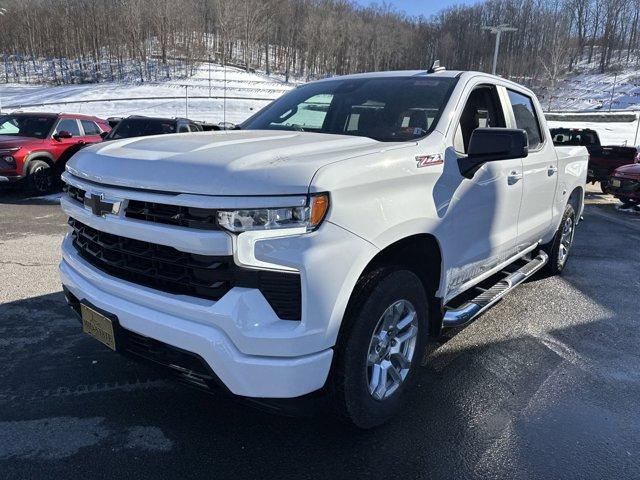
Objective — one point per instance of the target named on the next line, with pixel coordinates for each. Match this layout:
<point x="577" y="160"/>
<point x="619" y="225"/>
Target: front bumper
<point x="245" y="375"/>
<point x="629" y="188"/>
<point x="10" y="178"/>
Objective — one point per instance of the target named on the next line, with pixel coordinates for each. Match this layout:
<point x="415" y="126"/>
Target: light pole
<point x="3" y="12"/>
<point x="497" y="31"/>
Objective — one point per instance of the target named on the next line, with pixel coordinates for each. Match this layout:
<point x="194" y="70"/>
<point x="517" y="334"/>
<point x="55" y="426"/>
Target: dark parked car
<point x="35" y="146"/>
<point x="137" y="126"/>
<point x="603" y="160"/>
<point x="625" y="184"/>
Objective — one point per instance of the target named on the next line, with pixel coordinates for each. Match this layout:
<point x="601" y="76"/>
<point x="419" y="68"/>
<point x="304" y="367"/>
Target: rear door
<point x="539" y="171"/>
<point x="91" y="131"/>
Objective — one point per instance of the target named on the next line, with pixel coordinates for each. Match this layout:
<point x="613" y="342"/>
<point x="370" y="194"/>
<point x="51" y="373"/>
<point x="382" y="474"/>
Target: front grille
<point x="74" y="193"/>
<point x="199" y="218"/>
<point x="169" y="270"/>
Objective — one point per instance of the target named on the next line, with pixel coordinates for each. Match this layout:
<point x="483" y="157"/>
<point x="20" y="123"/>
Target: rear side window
<point x="68" y="125"/>
<point x="90" y="128"/>
<point x="526" y="118"/>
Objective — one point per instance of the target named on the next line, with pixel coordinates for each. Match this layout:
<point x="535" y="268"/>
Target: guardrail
<point x="595" y="116"/>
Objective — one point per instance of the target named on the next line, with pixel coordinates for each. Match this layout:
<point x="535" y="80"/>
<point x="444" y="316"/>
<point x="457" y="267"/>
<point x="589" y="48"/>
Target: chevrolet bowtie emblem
<point x="101" y="206"/>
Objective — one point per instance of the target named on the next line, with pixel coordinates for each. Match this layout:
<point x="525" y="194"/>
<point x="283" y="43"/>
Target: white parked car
<point x="322" y="244"/>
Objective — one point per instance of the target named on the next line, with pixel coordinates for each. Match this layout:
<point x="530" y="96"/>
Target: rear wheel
<point x="40" y="178"/>
<point x="381" y="348"/>
<point x="559" y="248"/>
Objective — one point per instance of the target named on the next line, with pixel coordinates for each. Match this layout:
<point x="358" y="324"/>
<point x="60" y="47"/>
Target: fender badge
<point x="429" y="160"/>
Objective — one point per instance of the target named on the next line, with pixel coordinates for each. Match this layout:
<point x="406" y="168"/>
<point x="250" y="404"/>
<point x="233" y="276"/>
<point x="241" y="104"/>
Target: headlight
<point x="309" y="217"/>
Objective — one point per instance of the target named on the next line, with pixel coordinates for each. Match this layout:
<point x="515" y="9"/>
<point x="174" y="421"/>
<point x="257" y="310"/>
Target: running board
<point x="462" y="315"/>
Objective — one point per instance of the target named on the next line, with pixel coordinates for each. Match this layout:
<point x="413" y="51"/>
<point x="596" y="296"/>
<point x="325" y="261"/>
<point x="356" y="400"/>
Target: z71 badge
<point x="429" y="160"/>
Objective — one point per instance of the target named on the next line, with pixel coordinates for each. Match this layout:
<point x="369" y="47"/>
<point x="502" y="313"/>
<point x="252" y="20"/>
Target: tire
<point x="40" y="179"/>
<point x="604" y="186"/>
<point x="366" y="351"/>
<point x="560" y="247"/>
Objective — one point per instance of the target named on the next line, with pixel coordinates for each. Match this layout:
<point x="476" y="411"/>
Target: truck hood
<point x="12" y="141"/>
<point x="631" y="170"/>
<point x="220" y="163"/>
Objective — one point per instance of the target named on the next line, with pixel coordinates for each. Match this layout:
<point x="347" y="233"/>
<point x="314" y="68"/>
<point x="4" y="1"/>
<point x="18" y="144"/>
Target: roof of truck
<point x="399" y="73"/>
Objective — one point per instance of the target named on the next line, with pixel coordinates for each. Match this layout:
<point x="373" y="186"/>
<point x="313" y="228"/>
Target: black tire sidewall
<point x="554" y="266"/>
<point x="33" y="167"/>
<point x="360" y="408"/>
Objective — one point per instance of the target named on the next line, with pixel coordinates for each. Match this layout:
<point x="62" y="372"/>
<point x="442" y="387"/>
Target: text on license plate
<point x="615" y="183"/>
<point x="98" y="326"/>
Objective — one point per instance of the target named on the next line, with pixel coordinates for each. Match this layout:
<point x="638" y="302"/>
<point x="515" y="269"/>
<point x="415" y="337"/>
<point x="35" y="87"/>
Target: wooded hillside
<point x="65" y="41"/>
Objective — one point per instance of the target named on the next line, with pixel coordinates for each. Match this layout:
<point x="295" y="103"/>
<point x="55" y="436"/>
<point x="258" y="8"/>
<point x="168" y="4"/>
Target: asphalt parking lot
<point x="545" y="385"/>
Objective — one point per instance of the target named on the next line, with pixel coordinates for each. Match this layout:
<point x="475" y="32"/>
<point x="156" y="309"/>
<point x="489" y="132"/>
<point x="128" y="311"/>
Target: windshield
<point x="141" y="127"/>
<point x="385" y="109"/>
<point x="26" y="125"/>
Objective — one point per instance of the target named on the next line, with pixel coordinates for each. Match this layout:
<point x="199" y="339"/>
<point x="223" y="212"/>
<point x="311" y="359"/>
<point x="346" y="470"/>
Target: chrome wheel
<point x="391" y="349"/>
<point x="566" y="240"/>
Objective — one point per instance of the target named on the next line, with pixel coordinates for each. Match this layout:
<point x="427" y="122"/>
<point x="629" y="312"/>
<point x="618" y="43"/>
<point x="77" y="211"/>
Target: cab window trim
<point x="536" y="114"/>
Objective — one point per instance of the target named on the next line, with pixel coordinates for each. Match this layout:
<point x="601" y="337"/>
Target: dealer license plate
<point x="98" y="326"/>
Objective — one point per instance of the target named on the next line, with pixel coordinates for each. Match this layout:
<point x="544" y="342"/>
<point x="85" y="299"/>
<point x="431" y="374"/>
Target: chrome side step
<point x="460" y="316"/>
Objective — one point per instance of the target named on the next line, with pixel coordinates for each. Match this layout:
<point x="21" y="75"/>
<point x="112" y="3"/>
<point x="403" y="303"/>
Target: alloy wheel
<point x="391" y="349"/>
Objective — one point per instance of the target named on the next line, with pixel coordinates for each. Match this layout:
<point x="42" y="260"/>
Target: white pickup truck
<point x="322" y="244"/>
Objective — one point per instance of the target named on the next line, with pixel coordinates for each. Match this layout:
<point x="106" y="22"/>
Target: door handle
<point x="552" y="169"/>
<point x="514" y="177"/>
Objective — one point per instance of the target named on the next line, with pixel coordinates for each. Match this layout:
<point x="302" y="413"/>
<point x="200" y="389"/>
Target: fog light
<point x="9" y="160"/>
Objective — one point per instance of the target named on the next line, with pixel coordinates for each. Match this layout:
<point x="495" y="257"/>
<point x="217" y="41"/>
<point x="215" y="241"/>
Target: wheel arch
<point x="418" y="253"/>
<point x="576" y="200"/>
<point x="41" y="155"/>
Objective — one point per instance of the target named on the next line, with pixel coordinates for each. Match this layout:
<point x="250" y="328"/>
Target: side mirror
<point x="103" y="134"/>
<point x="62" y="134"/>
<point x="491" y="145"/>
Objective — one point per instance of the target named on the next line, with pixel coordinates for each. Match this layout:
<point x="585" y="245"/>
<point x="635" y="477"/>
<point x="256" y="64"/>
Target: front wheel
<point x="381" y="347"/>
<point x="559" y="248"/>
<point x="604" y="186"/>
<point x="40" y="179"/>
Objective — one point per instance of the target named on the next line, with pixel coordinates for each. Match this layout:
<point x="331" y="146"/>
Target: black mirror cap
<point x="62" y="134"/>
<point x="491" y="145"/>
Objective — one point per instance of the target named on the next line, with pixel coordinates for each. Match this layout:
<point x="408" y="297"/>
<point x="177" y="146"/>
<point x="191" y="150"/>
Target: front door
<point x="484" y="209"/>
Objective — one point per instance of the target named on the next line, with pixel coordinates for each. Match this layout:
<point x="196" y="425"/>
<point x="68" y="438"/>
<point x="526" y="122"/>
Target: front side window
<point x="482" y="110"/>
<point x="526" y="118"/>
<point x="394" y="109"/>
<point x="68" y="125"/>
<point x="26" y="125"/>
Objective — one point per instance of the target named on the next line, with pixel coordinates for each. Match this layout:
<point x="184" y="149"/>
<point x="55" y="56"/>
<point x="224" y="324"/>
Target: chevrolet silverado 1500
<point x="322" y="244"/>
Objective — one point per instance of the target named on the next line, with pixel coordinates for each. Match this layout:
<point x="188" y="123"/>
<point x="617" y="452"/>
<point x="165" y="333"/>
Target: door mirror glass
<point x="493" y="144"/>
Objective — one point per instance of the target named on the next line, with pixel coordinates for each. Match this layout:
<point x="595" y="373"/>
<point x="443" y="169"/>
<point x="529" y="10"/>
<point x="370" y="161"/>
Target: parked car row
<point x="616" y="168"/>
<point x="34" y="147"/>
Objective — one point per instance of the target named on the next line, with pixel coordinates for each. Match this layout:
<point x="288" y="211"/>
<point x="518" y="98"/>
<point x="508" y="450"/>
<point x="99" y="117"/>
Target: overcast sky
<point x="420" y="7"/>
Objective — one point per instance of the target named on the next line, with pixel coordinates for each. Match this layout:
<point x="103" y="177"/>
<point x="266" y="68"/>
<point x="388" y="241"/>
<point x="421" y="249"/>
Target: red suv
<point x="36" y="146"/>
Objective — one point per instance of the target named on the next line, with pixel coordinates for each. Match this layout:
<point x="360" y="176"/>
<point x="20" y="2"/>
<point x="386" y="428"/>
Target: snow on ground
<point x="123" y="99"/>
<point x="584" y="91"/>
